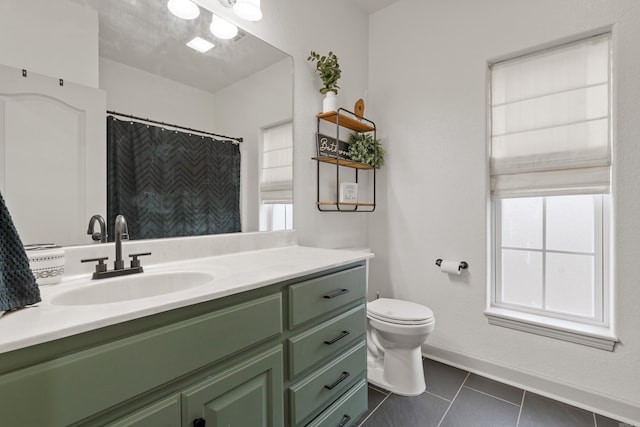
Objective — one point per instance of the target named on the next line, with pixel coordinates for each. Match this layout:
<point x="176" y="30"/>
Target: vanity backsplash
<point x="176" y="249"/>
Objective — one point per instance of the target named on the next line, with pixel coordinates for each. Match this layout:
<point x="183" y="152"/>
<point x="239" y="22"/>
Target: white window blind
<point x="276" y="175"/>
<point x="550" y="122"/>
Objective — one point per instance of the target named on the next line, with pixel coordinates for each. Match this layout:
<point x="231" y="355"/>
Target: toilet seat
<point x="399" y="312"/>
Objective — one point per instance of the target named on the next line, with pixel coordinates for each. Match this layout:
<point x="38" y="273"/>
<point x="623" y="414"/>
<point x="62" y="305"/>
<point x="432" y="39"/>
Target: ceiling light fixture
<point x="185" y="9"/>
<point x="246" y="9"/>
<point x="222" y="29"/>
<point x="200" y="44"/>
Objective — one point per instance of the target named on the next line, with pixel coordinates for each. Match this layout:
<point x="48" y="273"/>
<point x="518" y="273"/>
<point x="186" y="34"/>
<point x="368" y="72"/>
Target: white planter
<point x="330" y="102"/>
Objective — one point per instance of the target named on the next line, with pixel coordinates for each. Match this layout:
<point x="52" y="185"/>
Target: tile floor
<point x="457" y="398"/>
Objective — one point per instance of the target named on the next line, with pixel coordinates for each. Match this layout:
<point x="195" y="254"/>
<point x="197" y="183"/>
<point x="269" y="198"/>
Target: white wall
<point x="33" y="37"/>
<point x="244" y="109"/>
<point x="297" y="27"/>
<point x="428" y="71"/>
<point x="139" y="93"/>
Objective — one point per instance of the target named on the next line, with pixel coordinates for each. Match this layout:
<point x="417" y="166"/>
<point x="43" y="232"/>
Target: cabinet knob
<point x="199" y="422"/>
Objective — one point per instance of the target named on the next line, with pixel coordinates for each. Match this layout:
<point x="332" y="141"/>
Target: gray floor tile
<point x="375" y="397"/>
<point x="542" y="411"/>
<point x="602" y="421"/>
<point x="380" y="389"/>
<point x="442" y="380"/>
<point x="494" y="388"/>
<point x="424" y="410"/>
<point x="475" y="409"/>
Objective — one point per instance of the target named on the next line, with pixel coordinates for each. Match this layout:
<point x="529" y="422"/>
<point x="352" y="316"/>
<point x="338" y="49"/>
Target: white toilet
<point x="396" y="330"/>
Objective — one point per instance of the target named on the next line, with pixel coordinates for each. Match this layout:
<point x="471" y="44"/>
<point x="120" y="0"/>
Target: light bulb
<point x="185" y="9"/>
<point x="222" y="29"/>
<point x="248" y="9"/>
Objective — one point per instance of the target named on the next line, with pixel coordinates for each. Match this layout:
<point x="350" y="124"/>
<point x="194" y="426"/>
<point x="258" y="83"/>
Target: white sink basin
<point x="133" y="287"/>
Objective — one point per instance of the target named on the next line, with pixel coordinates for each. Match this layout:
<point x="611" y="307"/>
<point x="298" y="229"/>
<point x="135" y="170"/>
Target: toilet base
<point x="410" y="382"/>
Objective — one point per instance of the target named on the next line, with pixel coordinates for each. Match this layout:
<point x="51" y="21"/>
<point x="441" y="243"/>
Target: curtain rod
<point x="115" y="113"/>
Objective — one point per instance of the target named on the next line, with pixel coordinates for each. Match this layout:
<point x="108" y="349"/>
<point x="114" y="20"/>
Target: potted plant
<point x="328" y="68"/>
<point x="364" y="149"/>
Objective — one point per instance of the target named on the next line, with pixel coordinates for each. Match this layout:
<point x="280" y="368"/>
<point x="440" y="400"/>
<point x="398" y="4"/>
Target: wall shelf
<point x="343" y="162"/>
<point x="344" y="120"/>
<point x="343" y="203"/>
<point x="353" y="122"/>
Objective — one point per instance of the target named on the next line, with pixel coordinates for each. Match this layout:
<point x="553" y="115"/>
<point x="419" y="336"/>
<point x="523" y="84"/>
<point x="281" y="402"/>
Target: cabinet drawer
<point x="320" y="295"/>
<point x="327" y="338"/>
<point x="346" y="410"/>
<point x="165" y="413"/>
<point x="327" y="383"/>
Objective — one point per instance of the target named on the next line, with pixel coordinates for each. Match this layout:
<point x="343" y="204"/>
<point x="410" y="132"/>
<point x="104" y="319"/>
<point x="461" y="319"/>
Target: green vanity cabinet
<point x="327" y="349"/>
<point x="164" y="413"/>
<point x="249" y="394"/>
<point x="233" y="361"/>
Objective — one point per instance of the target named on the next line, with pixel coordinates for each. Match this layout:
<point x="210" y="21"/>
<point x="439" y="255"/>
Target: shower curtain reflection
<point x="169" y="183"/>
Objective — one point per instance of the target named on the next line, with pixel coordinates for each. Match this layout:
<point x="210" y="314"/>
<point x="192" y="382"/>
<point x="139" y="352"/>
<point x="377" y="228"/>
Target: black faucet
<point x="121" y="231"/>
<point x="102" y="235"/>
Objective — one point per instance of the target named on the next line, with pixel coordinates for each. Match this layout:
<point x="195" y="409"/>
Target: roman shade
<point x="550" y="121"/>
<point x="276" y="176"/>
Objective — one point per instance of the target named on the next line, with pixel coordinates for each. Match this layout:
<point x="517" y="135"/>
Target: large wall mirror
<point x="241" y="88"/>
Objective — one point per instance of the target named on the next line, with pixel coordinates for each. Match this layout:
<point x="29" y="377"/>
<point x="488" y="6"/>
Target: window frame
<point x="597" y="332"/>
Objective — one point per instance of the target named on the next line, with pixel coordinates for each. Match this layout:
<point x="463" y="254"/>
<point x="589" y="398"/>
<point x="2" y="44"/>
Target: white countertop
<point x="234" y="273"/>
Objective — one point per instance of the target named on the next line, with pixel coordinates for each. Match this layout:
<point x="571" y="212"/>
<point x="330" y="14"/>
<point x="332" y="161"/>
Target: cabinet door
<point x="164" y="413"/>
<point x="250" y="394"/>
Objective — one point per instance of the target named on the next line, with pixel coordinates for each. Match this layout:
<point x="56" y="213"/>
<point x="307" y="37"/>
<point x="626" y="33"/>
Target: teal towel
<point x="18" y="286"/>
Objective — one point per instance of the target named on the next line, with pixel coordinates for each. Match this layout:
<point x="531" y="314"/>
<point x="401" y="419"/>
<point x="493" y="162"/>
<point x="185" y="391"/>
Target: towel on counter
<point x="18" y="286"/>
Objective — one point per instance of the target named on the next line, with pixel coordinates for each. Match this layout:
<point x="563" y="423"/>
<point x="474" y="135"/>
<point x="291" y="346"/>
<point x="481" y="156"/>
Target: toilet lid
<point x="399" y="311"/>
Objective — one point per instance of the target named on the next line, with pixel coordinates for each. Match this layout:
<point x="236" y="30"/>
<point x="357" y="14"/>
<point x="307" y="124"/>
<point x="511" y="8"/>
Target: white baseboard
<point x="609" y="406"/>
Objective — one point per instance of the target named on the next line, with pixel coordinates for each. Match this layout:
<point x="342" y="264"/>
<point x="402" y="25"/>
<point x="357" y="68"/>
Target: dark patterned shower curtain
<point x="169" y="183"/>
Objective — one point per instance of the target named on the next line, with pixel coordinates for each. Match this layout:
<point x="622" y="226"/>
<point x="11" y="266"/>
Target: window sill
<point x="589" y="335"/>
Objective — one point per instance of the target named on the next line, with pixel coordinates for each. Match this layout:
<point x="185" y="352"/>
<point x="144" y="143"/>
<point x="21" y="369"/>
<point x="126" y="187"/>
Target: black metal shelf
<point x="344" y="119"/>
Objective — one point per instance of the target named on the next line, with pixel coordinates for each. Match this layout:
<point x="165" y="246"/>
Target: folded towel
<point x="18" y="286"/>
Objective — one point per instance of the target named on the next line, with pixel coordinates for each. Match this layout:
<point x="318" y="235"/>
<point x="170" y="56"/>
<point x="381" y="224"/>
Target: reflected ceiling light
<point x="222" y="29"/>
<point x="248" y="9"/>
<point x="185" y="9"/>
<point x="245" y="9"/>
<point x="200" y="44"/>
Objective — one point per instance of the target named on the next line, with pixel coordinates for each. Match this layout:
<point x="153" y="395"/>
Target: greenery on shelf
<point x="328" y="68"/>
<point x="364" y="149"/>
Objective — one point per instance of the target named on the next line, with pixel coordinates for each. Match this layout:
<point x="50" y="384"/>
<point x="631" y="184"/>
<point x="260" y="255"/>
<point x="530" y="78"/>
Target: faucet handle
<point x="135" y="262"/>
<point x="100" y="266"/>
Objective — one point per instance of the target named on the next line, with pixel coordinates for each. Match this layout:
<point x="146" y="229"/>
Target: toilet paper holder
<point x="463" y="264"/>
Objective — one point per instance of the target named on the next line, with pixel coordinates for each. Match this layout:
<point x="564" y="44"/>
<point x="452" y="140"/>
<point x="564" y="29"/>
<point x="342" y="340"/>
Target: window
<point x="276" y="178"/>
<point x="550" y="185"/>
<point x="549" y="256"/>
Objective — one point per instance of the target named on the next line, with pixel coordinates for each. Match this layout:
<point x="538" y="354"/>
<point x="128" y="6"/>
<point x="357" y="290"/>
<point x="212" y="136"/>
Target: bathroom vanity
<point x="277" y="340"/>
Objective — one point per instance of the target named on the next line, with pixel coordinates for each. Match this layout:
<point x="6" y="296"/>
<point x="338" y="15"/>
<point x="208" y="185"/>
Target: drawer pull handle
<point x="343" y="377"/>
<point x="344" y="421"/>
<point x="338" y="338"/>
<point x="337" y="293"/>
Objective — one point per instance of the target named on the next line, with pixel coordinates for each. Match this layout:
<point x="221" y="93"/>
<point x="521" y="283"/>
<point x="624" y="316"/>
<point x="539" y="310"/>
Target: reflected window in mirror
<point x="276" y="178"/>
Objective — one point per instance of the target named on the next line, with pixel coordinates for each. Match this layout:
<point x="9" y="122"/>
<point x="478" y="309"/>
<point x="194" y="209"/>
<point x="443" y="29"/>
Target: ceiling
<point x="372" y="6"/>
<point x="145" y="35"/>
